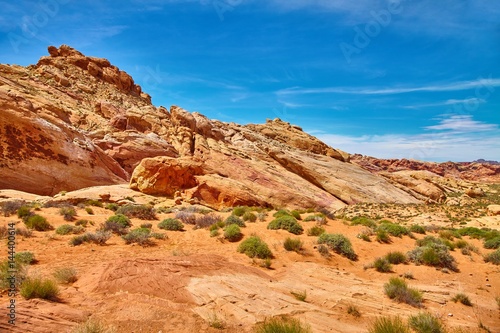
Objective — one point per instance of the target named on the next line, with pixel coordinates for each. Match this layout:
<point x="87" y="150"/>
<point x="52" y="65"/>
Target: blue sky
<point x="390" y="79"/>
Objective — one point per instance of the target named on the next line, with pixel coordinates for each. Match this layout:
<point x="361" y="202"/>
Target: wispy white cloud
<point x="467" y="101"/>
<point x="462" y="123"/>
<point x="488" y="83"/>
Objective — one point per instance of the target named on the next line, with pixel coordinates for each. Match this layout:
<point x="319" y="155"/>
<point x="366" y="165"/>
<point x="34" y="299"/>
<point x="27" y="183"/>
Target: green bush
<point x="38" y="223"/>
<point x="146" y="225"/>
<point x="233" y="219"/>
<point x="339" y="244"/>
<point x="83" y="223"/>
<point x="208" y="220"/>
<point x="114" y="227"/>
<point x="65" y="275"/>
<point x="68" y="213"/>
<point x="232" y="233"/>
<point x="11" y="207"/>
<point x="493" y="257"/>
<point x="25" y="258"/>
<point x="36" y="287"/>
<point x="95" y="203"/>
<point x="214" y="233"/>
<point x="141" y="236"/>
<point x="493" y="243"/>
<point x="296" y="214"/>
<point x="282" y="212"/>
<point x="318" y="218"/>
<point x="393" y="229"/>
<point x="389" y="325"/>
<point x="239" y="211"/>
<point x="382" y="236"/>
<point x="66" y="229"/>
<point x="396" y="257"/>
<point x="286" y="222"/>
<point x="294" y="244"/>
<point x="299" y="295"/>
<point x="433" y="254"/>
<point x="89" y="210"/>
<point x="254" y="247"/>
<point x="426" y="323"/>
<point x="382" y="265"/>
<point x="171" y="224"/>
<point x="142" y="212"/>
<point x="92" y="326"/>
<point x="24" y="212"/>
<point x="462" y="298"/>
<point x="316" y="231"/>
<point x="282" y="325"/>
<point x="249" y="216"/>
<point x="112" y="206"/>
<point x="398" y="290"/>
<point x="364" y="221"/>
<point x="99" y="237"/>
<point x="120" y="219"/>
<point x="418" y="229"/>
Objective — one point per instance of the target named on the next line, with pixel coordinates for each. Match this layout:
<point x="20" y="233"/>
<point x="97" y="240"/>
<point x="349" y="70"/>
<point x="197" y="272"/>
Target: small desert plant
<point x="171" y="224"/>
<point x="299" y="295"/>
<point x="255" y="247"/>
<point x="462" y="298"/>
<point x="83" y="223"/>
<point x="433" y="254"/>
<point x="25" y="258"/>
<point x="396" y="257"/>
<point x="65" y="275"/>
<point x="364" y="221"/>
<point x="493" y="243"/>
<point x="398" y="290"/>
<point x="389" y="325"/>
<point x="112" y="206"/>
<point x="393" y="229"/>
<point x="425" y="322"/>
<point x="408" y="275"/>
<point x="120" y="219"/>
<point x="493" y="257"/>
<point x="497" y="299"/>
<point x="365" y="235"/>
<point x="339" y="244"/>
<point x="318" y="218"/>
<point x="382" y="265"/>
<point x="262" y="216"/>
<point x="38" y="223"/>
<point x="292" y="244"/>
<point x="143" y="212"/>
<point x="68" y="213"/>
<point x="232" y="233"/>
<point x="114" y="227"/>
<point x="37" y="287"/>
<point x="93" y="202"/>
<point x="418" y="229"/>
<point x="99" y="237"/>
<point x="89" y="210"/>
<point x="141" y="236"/>
<point x="382" y="236"/>
<point x="215" y="322"/>
<point x="24" y="212"/>
<point x="296" y="214"/>
<point x="24" y="232"/>
<point x="353" y="311"/>
<point x="282" y="325"/>
<point x="239" y="211"/>
<point x="214" y="233"/>
<point x="286" y="222"/>
<point x="282" y="212"/>
<point x="249" y="217"/>
<point x="316" y="231"/>
<point x="11" y="207"/>
<point x="186" y="217"/>
<point x="6" y="274"/>
<point x="92" y="326"/>
<point x="323" y="250"/>
<point x="207" y="220"/>
<point x="66" y="229"/>
<point x="146" y="225"/>
<point x="233" y="219"/>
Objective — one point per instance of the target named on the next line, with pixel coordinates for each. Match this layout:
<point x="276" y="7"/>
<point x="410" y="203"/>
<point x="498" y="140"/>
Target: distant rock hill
<point x="73" y="121"/>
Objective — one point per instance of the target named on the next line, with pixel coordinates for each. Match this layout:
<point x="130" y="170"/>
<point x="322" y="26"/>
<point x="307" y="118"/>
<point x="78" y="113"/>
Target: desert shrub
<point x="249" y="216"/>
<point x="112" y="206"/>
<point x="462" y="298"/>
<point x="38" y="223"/>
<point x="296" y="214"/>
<point x="262" y="216"/>
<point x="364" y="221"/>
<point x="382" y="236"/>
<point x="282" y="212"/>
<point x="142" y="212"/>
<point x="426" y="322"/>
<point x="65" y="275"/>
<point x="382" y="265"/>
<point x="446" y="234"/>
<point x="299" y="295"/>
<point x="239" y="211"/>
<point x="286" y="222"/>
<point x="473" y="232"/>
<point x="389" y="325"/>
<point x="316" y="231"/>
<point x="339" y="244"/>
<point x="232" y="233"/>
<point x="66" y="229"/>
<point x="24" y="232"/>
<point x="493" y="257"/>
<point x="293" y="244"/>
<point x="37" y="287"/>
<point x="214" y="233"/>
<point x="233" y="219"/>
<point x="25" y="258"/>
<point x="157" y="235"/>
<point x="68" y="213"/>
<point x="146" y="225"/>
<point x="323" y="250"/>
<point x="393" y="229"/>
<point x="6" y="274"/>
<point x="171" y="224"/>
<point x="433" y="254"/>
<point x="89" y="210"/>
<point x="141" y="236"/>
<point x="398" y="290"/>
<point x="93" y="202"/>
<point x="24" y="212"/>
<point x="10" y="207"/>
<point x="92" y="326"/>
<point x="318" y="218"/>
<point x="255" y="247"/>
<point x="493" y="243"/>
<point x="396" y="257"/>
<point x="353" y="311"/>
<point x="120" y="219"/>
<point x="282" y="325"/>
<point x="114" y="227"/>
<point x="82" y="223"/>
<point x="205" y="221"/>
<point x="100" y="237"/>
<point x="418" y="229"/>
<point x="186" y="217"/>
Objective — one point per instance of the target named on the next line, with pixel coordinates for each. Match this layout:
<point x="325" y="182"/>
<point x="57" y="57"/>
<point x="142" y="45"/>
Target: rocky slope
<point x="73" y="121"/>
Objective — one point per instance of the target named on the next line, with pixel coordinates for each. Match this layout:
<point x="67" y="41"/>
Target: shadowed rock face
<point x="73" y="121"/>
